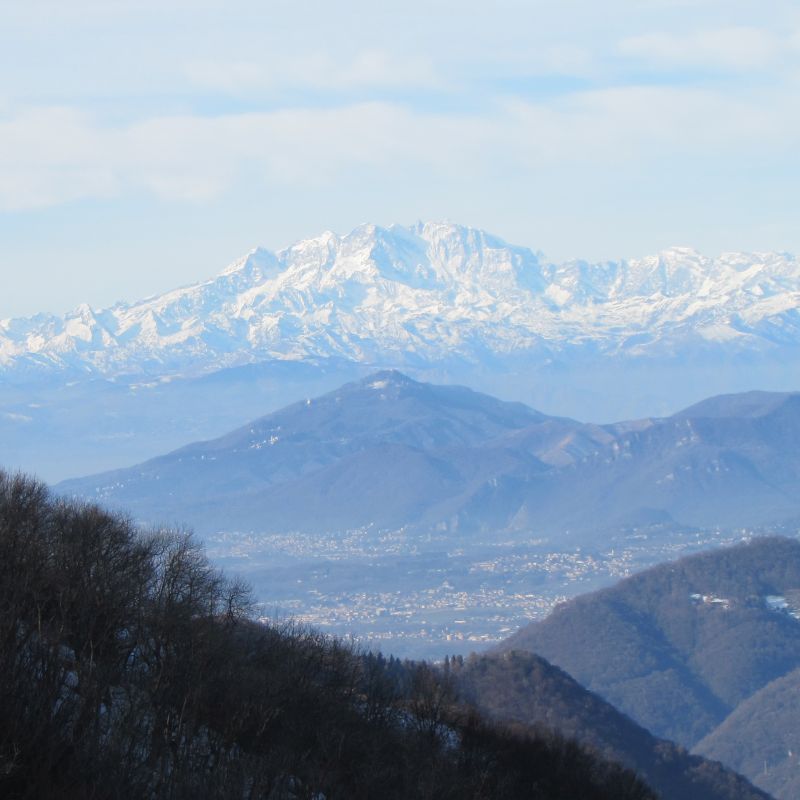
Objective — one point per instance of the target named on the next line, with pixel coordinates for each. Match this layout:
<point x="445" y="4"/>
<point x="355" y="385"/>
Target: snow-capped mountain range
<point x="422" y="294"/>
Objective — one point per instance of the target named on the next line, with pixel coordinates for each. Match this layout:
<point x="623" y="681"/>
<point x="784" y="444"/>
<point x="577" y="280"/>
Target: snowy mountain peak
<point x="83" y="311"/>
<point x="420" y="294"/>
<point x="253" y="262"/>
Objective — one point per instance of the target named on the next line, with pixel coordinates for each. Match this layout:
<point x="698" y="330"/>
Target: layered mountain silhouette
<point x="98" y="389"/>
<point x="391" y="452"/>
<point x="704" y="651"/>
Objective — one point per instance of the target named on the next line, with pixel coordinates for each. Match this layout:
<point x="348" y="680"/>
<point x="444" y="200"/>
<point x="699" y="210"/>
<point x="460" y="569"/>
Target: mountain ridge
<point x="354" y="457"/>
<point x="422" y="294"/>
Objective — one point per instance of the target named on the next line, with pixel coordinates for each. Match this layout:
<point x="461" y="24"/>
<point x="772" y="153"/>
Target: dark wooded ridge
<point x="130" y="668"/>
<point x="525" y="688"/>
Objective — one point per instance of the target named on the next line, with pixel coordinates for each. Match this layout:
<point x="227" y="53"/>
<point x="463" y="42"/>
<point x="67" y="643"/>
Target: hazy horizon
<point x="145" y="147"/>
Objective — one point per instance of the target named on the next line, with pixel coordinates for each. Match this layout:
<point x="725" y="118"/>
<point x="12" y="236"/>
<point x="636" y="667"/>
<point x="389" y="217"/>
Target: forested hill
<point x="704" y="651"/>
<point x="129" y="668"/>
<point x="761" y="737"/>
<point x="525" y="688"/>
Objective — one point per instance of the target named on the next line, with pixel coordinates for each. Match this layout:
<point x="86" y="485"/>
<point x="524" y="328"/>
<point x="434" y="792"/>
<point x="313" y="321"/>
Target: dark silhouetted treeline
<point x="130" y="668"/>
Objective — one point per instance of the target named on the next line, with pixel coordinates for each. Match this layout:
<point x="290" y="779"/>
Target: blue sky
<point x="147" y="144"/>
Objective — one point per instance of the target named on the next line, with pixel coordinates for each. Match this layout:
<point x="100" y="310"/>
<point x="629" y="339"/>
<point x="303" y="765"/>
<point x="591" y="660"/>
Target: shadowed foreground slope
<point x="129" y="668"/>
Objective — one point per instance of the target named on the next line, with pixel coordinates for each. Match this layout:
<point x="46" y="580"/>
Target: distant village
<point x="428" y="603"/>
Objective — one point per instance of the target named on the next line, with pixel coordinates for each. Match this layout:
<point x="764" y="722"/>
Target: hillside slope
<point x="391" y="452"/>
<point x="523" y="687"/>
<point x="761" y="739"/>
<point x="130" y="668"/>
<point x="679" y="646"/>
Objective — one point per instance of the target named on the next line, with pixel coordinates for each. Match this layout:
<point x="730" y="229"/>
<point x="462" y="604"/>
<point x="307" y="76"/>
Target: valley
<point x="424" y="519"/>
<point x="410" y="596"/>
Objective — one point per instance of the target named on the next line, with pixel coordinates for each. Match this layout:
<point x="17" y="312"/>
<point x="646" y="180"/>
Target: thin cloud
<point x="52" y="156"/>
<point x="368" y="69"/>
<point x="737" y="48"/>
